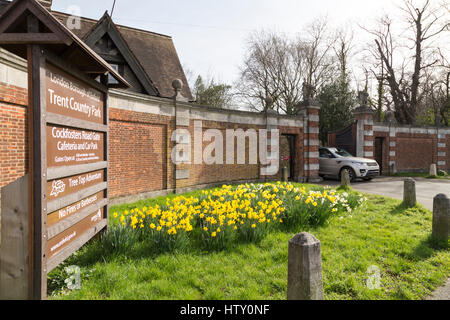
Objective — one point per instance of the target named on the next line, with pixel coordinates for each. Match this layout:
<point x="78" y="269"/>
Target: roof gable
<point x="25" y="22"/>
<point x="105" y="26"/>
<point x="155" y="52"/>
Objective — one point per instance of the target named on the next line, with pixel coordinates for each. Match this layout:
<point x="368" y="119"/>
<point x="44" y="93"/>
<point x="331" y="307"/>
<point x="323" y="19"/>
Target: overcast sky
<point x="210" y="35"/>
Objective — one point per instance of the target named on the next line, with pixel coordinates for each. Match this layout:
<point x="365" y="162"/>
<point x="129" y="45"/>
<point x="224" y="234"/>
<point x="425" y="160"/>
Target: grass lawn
<point x="382" y="233"/>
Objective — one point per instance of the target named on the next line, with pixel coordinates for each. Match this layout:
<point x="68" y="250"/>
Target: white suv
<point x="333" y="161"/>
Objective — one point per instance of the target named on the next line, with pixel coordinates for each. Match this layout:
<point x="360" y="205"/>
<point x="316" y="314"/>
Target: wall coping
<point x="410" y="129"/>
<point x="195" y="111"/>
<point x="13" y="61"/>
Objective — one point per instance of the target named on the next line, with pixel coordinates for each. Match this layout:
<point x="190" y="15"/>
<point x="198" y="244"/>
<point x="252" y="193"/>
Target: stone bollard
<point x="441" y="217"/>
<point x="345" y="178"/>
<point x="433" y="170"/>
<point x="393" y="169"/>
<point x="409" y="192"/>
<point x="304" y="268"/>
<point x="284" y="174"/>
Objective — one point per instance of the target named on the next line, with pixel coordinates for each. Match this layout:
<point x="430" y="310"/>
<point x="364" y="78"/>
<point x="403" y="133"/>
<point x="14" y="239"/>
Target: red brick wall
<point x="140" y="149"/>
<point x="13" y="133"/>
<point x="204" y="174"/>
<point x="415" y="153"/>
<point x="13" y="95"/>
<point x="448" y="152"/>
<point x="138" y="156"/>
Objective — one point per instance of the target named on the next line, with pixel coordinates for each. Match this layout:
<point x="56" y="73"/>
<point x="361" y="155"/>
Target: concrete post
<point x="441" y="217"/>
<point x="409" y="192"/>
<point x="284" y="174"/>
<point x="393" y="168"/>
<point x="345" y="178"/>
<point x="433" y="170"/>
<point x="304" y="268"/>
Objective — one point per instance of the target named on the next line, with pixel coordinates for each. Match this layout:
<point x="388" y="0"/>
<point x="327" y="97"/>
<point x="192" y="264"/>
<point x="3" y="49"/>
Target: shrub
<point x="442" y="173"/>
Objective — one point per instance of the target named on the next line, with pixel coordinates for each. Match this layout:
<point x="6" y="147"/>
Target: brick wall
<point x="13" y="133"/>
<point x="415" y="152"/>
<point x="447" y="152"/>
<point x="205" y="174"/>
<point x="413" y="148"/>
<point x="140" y="144"/>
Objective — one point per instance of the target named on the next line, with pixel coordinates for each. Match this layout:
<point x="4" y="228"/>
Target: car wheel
<point x="351" y="174"/>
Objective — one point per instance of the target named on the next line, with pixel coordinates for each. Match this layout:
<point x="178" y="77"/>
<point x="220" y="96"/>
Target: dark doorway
<point x="291" y="139"/>
<point x="287" y="154"/>
<point x="379" y="152"/>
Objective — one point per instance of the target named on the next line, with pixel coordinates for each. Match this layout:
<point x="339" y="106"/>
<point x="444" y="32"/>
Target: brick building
<point x="144" y="117"/>
<point x="397" y="148"/>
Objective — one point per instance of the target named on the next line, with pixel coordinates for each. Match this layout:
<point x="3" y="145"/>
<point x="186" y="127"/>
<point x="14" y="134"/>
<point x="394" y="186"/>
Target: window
<point x="343" y="153"/>
<point x="324" y="153"/>
<point x="111" y="79"/>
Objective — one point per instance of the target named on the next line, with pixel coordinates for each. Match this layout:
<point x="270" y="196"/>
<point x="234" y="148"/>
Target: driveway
<point x="426" y="189"/>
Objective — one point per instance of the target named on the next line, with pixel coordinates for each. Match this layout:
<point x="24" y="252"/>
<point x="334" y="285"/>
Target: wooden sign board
<point x="69" y="97"/>
<point x="71" y="174"/>
<point x="68" y="146"/>
<point x="62" y="187"/>
<point x="66" y="193"/>
<point x="67" y="237"/>
<point x="76" y="203"/>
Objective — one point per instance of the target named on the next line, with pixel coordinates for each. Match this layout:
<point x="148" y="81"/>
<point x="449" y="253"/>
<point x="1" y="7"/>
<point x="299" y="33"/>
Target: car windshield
<point x="342" y="153"/>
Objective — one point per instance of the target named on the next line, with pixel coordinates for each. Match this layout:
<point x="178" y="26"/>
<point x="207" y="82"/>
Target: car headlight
<point x="358" y="163"/>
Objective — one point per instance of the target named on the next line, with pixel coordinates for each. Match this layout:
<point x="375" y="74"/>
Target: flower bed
<point x="217" y="218"/>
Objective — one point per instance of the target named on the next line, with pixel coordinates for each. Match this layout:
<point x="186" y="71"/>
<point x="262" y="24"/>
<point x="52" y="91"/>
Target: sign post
<point x="68" y="145"/>
<point x="69" y="161"/>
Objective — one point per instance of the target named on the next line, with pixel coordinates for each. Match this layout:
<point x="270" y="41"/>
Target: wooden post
<point x="104" y="82"/>
<point x="37" y="155"/>
<point x="38" y="170"/>
<point x="15" y="247"/>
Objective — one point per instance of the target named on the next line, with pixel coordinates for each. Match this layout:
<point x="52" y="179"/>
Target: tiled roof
<point x="155" y="52"/>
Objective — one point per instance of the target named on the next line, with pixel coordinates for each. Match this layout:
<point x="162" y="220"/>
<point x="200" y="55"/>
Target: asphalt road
<point x="426" y="190"/>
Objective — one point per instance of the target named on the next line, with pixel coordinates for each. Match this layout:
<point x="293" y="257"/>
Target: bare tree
<point x="277" y="66"/>
<point x="273" y="68"/>
<point x="424" y="23"/>
<point x="317" y="47"/>
<point x="436" y="92"/>
<point x="343" y="50"/>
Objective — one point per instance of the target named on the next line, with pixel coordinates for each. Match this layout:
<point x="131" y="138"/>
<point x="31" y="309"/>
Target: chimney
<point x="47" y="4"/>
